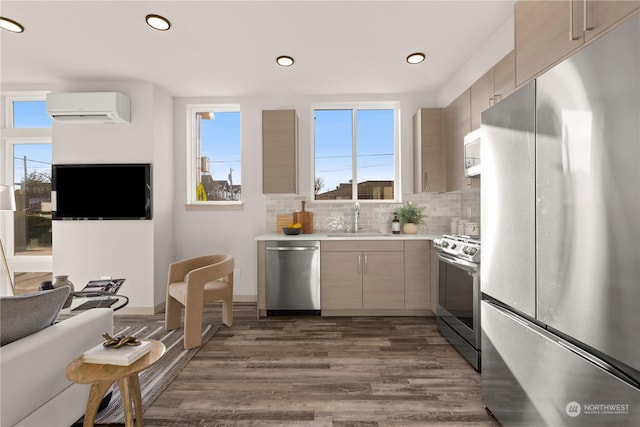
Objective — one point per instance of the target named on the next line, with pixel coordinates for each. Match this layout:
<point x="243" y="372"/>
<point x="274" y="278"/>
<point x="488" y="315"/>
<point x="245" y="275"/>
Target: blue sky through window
<point x="333" y="140"/>
<point x="221" y="144"/>
<point x="30" y="157"/>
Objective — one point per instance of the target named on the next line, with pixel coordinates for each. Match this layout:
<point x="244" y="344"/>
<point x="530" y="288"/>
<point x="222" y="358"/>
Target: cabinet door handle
<point x="424" y="181"/>
<point x="571" y="36"/>
<point x="585" y="23"/>
<point x="366" y="262"/>
<point x="359" y="264"/>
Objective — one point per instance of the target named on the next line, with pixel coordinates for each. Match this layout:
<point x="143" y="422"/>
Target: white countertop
<point x="349" y="236"/>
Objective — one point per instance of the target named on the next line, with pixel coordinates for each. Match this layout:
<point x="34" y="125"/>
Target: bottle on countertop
<point x="395" y="225"/>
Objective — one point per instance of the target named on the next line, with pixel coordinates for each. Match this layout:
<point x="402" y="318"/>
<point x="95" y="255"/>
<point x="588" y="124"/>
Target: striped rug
<point x="156" y="378"/>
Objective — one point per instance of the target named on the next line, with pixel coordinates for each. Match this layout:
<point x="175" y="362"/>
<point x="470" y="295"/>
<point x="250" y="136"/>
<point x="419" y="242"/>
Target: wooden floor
<point x="313" y="371"/>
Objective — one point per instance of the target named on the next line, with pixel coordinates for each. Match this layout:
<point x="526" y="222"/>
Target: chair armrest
<point x="198" y="277"/>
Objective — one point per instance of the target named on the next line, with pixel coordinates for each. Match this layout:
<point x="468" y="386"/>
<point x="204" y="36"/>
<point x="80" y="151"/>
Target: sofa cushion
<point x="22" y="315"/>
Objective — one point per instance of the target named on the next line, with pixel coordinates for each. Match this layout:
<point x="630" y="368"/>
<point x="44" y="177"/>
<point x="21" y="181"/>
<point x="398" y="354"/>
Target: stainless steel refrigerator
<point x="560" y="275"/>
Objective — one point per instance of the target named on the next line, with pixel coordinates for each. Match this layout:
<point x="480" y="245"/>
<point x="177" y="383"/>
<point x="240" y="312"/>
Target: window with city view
<point x="216" y="174"/>
<point x="357" y="144"/>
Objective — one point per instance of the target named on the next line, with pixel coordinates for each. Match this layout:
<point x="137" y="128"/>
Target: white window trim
<point x="367" y="105"/>
<point x="9" y="97"/>
<point x="191" y="202"/>
<point x="10" y="137"/>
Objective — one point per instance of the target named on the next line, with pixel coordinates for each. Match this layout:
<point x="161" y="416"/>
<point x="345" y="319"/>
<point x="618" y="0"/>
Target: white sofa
<point x="34" y="390"/>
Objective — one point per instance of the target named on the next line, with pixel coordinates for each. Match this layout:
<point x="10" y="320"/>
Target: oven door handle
<point x="465" y="265"/>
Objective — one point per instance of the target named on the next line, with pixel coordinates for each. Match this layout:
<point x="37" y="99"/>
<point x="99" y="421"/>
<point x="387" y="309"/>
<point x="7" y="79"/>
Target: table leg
<point x="134" y="382"/>
<point x="96" y="394"/>
<point x="125" y="394"/>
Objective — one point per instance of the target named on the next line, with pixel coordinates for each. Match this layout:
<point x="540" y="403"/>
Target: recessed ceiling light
<point x="10" y="25"/>
<point x="284" y="61"/>
<point x="158" y="22"/>
<point x="415" y="58"/>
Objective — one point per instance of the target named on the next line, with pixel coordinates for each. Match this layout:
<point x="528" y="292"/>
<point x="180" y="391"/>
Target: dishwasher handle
<point x="292" y="248"/>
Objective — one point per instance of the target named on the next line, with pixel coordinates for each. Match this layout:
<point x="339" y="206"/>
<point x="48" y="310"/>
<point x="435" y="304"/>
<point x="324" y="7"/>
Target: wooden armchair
<point x="192" y="283"/>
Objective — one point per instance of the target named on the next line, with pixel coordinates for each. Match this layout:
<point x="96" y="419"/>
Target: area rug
<point x="156" y="378"/>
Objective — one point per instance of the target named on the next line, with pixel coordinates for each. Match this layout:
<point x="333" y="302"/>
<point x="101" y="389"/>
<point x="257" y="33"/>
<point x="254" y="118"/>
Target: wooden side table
<point x="102" y="376"/>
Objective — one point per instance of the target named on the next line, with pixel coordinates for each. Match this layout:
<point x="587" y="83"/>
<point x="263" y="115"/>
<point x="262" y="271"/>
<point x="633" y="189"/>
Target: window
<point x="215" y="174"/>
<point x="26" y="164"/>
<point x="356" y="144"/>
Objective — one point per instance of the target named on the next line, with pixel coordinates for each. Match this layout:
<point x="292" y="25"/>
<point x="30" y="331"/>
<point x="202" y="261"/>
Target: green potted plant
<point x="410" y="215"/>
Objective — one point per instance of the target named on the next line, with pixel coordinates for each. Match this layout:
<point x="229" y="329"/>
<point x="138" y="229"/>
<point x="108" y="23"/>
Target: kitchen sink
<point x="358" y="235"/>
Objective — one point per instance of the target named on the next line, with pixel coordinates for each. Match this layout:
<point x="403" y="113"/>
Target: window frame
<point x="19" y="136"/>
<point x="356" y="106"/>
<point x="192" y="160"/>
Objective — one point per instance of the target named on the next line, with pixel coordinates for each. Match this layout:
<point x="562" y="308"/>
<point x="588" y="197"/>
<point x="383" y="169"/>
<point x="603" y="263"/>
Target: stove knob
<point x="445" y="244"/>
<point x="472" y="251"/>
<point x="453" y="246"/>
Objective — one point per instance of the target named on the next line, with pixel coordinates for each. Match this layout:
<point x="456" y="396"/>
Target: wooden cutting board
<point x="305" y="218"/>
<point x="283" y="220"/>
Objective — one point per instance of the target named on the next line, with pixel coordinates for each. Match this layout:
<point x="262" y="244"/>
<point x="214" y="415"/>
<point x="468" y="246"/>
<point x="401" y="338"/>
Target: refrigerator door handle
<point x="598" y="362"/>
<point x="594" y="360"/>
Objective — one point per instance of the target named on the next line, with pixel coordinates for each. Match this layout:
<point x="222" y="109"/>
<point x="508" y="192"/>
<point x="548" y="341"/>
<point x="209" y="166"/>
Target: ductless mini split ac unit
<point x="89" y="107"/>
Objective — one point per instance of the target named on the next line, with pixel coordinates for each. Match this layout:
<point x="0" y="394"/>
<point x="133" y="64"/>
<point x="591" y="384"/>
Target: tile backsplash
<point x="332" y="216"/>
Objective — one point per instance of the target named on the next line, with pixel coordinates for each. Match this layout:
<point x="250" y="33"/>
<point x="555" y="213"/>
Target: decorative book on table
<point x="123" y="356"/>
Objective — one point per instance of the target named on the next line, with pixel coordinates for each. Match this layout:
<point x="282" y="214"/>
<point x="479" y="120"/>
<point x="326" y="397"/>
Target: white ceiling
<point x="228" y="48"/>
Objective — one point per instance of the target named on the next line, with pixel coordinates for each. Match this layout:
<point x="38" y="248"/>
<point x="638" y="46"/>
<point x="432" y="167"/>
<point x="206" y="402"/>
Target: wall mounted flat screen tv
<point x="101" y="191"/>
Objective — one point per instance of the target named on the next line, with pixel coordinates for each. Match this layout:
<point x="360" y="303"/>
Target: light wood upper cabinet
<point x="482" y="97"/>
<point x="427" y="151"/>
<point x="504" y="77"/>
<point x="417" y="274"/>
<point x="548" y="31"/>
<point x="456" y="124"/>
<point x="601" y="15"/>
<point x="279" y="151"/>
<point x="542" y="34"/>
<point x="492" y="87"/>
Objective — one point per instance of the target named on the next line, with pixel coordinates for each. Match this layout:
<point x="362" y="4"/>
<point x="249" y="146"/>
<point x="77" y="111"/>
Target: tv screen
<point x="101" y="191"/>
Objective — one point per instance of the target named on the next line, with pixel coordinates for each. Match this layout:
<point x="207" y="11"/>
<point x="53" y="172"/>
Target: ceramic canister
<point x="453" y="226"/>
<point x="471" y="229"/>
<point x="461" y="224"/>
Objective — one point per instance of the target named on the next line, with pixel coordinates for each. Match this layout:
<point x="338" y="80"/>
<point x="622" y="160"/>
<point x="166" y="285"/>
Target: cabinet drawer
<point x="361" y="245"/>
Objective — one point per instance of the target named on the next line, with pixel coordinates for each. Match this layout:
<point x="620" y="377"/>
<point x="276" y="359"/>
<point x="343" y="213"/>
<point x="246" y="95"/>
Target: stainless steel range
<point x="458" y="294"/>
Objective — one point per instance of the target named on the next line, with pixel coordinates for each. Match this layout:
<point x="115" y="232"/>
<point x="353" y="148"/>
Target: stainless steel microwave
<point x="472" y="153"/>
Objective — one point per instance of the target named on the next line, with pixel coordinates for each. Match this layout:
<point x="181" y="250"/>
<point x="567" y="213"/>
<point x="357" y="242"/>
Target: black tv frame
<point x="108" y="169"/>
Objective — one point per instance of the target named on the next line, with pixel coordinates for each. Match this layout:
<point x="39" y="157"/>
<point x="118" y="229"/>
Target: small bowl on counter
<point x="291" y="231"/>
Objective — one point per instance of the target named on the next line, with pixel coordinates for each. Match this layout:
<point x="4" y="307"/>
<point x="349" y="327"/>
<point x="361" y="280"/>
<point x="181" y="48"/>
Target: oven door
<point x="458" y="297"/>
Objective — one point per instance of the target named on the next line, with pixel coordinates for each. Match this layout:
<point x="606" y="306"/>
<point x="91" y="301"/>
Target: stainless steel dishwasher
<point x="293" y="277"/>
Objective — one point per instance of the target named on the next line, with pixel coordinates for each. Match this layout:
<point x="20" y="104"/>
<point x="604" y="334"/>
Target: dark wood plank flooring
<point x="314" y="371"/>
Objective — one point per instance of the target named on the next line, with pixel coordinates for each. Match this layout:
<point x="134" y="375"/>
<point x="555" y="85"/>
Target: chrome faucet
<point x="356" y="218"/>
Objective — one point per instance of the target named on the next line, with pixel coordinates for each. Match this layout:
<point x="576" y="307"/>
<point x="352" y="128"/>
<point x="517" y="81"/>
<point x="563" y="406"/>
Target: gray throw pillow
<point x="25" y="314"/>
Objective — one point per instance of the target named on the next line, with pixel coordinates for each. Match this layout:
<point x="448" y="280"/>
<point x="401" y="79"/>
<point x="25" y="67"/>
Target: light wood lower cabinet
<point x="375" y="277"/>
<point x="341" y="279"/>
<point x="417" y="274"/>
<point x="383" y="280"/>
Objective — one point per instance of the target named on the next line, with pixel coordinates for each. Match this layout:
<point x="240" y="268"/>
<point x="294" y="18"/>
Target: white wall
<point x="492" y="51"/>
<point x="135" y="250"/>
